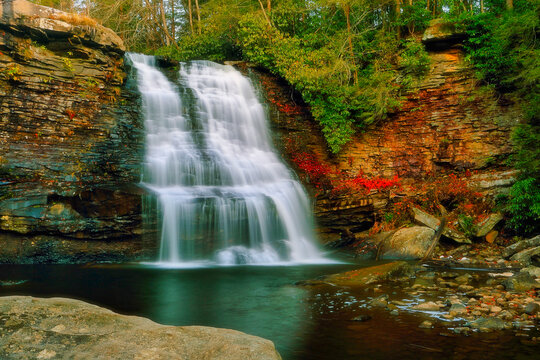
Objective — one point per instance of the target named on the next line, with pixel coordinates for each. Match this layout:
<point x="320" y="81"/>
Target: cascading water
<point x="222" y="192"/>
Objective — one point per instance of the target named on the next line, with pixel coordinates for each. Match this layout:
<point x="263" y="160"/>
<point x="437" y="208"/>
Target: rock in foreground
<point x="59" y="328"/>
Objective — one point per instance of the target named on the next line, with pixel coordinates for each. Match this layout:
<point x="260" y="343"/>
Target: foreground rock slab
<point x="59" y="328"/>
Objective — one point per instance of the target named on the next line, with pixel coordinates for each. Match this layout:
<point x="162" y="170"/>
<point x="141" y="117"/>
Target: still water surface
<point x="304" y="323"/>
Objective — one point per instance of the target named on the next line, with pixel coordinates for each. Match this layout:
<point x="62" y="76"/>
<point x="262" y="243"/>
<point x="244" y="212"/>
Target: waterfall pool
<point x="303" y="322"/>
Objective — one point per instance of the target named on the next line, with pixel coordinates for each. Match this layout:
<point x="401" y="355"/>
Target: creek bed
<point x="303" y="322"/>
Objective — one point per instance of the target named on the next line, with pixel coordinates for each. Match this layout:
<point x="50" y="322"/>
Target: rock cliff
<point x="447" y="123"/>
<point x="70" y="132"/>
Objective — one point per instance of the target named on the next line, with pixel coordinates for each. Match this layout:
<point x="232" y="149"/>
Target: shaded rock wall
<point x="71" y="135"/>
<point x="448" y="123"/>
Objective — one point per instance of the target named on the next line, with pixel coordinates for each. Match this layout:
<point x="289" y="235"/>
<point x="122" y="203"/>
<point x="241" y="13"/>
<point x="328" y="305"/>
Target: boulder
<point x="488" y="323"/>
<point x="408" y="243"/>
<point x="488" y="224"/>
<point x="528" y="257"/>
<point x="523" y="281"/>
<point x="441" y="34"/>
<point x="59" y="328"/>
<point x="521" y="245"/>
<point x="432" y="222"/>
<point x="49" y="23"/>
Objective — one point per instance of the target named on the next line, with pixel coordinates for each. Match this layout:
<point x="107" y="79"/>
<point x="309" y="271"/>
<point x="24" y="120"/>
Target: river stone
<point x="532" y="308"/>
<point x="427" y="306"/>
<point x="528" y="257"/>
<point x="62" y="328"/>
<point x="523" y="281"/>
<point x="408" y="243"/>
<point x="488" y="323"/>
<point x="365" y="276"/>
<point x="521" y="245"/>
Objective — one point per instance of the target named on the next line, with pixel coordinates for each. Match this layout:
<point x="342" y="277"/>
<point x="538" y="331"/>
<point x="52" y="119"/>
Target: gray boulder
<point x="59" y="328"/>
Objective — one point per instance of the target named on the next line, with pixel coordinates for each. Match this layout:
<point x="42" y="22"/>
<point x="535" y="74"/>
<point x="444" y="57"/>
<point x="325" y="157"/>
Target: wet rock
<point x="461" y="330"/>
<point x="427" y="306"/>
<point x="521" y="282"/>
<point x="457" y="309"/>
<point x="463" y="279"/>
<point x="490" y="323"/>
<point x="532" y="308"/>
<point x="426" y="325"/>
<point x="68" y="329"/>
<point x="370" y="275"/>
<point x="394" y="312"/>
<point x="381" y="301"/>
<point x="362" y="318"/>
<point x="534" y="271"/>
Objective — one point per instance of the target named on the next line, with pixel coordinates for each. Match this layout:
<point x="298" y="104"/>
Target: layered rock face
<point x="59" y="328"/>
<point x="447" y="123"/>
<point x="71" y="137"/>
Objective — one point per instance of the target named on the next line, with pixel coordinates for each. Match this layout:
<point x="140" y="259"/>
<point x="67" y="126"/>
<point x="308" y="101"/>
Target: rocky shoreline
<point x="471" y="288"/>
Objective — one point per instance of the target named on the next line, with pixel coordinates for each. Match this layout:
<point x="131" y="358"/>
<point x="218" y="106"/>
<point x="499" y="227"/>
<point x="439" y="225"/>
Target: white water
<point x="222" y="192"/>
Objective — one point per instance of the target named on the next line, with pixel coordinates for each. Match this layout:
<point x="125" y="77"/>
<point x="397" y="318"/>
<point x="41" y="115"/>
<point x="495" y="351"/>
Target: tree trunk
<point x="198" y="16"/>
<point x="164" y="23"/>
<point x="347" y="10"/>
<point x="264" y="13"/>
<point x="173" y="20"/>
<point x="509" y="4"/>
<point x="482" y="6"/>
<point x="190" y="17"/>
<point x="269" y="5"/>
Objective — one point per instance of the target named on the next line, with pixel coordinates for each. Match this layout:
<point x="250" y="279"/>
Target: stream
<point x="303" y="322"/>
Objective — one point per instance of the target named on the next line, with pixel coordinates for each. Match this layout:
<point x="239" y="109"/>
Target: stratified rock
<point x="528" y="257"/>
<point x="488" y="224"/>
<point x="408" y="243"/>
<point x="49" y="23"/>
<point x="432" y="222"/>
<point x="521" y="245"/>
<point x="59" y="328"/>
<point x="71" y="131"/>
<point x="441" y="34"/>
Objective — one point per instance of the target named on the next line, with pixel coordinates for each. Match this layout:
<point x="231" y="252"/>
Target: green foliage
<point x="524" y="206"/>
<point x="414" y="59"/>
<point x="415" y="18"/>
<point x="466" y="224"/>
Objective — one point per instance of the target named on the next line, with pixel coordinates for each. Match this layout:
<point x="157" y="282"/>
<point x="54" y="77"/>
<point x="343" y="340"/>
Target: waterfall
<point x="223" y="194"/>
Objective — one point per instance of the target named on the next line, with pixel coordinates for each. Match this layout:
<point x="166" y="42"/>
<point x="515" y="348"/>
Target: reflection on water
<point x="304" y="323"/>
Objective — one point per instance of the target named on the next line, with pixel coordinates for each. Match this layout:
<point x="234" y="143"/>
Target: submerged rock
<point x="72" y="329"/>
<point x="366" y="276"/>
